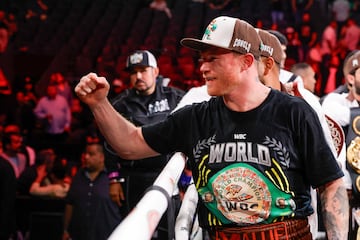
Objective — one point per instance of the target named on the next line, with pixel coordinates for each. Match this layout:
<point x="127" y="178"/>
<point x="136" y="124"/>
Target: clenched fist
<point x="92" y="89"/>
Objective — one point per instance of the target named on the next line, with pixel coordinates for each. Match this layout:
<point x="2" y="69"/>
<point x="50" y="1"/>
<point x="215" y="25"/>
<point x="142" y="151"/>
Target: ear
<point x="248" y="60"/>
<point x="269" y="64"/>
<point x="350" y="79"/>
<point x="156" y="71"/>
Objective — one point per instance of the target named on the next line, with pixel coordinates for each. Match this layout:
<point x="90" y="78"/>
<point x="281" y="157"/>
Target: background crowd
<point x="47" y="45"/>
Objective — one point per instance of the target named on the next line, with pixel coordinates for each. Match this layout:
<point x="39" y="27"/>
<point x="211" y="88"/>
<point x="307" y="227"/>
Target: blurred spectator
<point x="277" y="11"/>
<point x="117" y="86"/>
<point x="29" y="92"/>
<point x="26" y="149"/>
<point x="307" y="36"/>
<point x="350" y="35"/>
<point x="6" y="77"/>
<point x="299" y="7"/>
<point x="333" y="77"/>
<point x="81" y="121"/>
<point x="161" y="5"/>
<point x="293" y="47"/>
<point x="63" y="87"/>
<point x="45" y="159"/>
<point x="189" y="75"/>
<point x="54" y="112"/>
<point x="90" y="213"/>
<point x="7" y="200"/>
<point x="53" y="183"/>
<point x="24" y="115"/>
<point x="314" y="59"/>
<point x="37" y="180"/>
<point x="328" y="47"/>
<point x="12" y="144"/>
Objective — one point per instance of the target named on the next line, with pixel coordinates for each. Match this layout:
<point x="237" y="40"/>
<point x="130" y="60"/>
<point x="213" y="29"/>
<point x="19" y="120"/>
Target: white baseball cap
<point x="228" y="33"/>
<point x="140" y="58"/>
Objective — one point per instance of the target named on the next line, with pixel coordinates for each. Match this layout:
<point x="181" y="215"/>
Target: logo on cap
<point x="266" y="48"/>
<point x="136" y="58"/>
<point x="355" y="63"/>
<point x="243" y="44"/>
<point x="210" y="28"/>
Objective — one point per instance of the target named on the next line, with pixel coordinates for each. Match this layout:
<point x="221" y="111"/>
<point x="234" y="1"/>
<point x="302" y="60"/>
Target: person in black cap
<point x="254" y="152"/>
<point x="147" y="101"/>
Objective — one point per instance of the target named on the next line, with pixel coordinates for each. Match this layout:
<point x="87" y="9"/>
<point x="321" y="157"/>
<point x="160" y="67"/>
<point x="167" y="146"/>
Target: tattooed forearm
<point x="335" y="210"/>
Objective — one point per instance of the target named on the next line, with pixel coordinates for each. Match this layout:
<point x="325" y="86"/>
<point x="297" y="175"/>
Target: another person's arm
<point x="115" y="189"/>
<point x="116" y="193"/>
<point x="125" y="138"/>
<point x="67" y="219"/>
<point x="335" y="209"/>
<point x="52" y="190"/>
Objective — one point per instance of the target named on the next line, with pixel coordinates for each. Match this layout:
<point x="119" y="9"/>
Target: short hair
<point x="99" y="146"/>
<point x="283" y="40"/>
<point x="6" y="137"/>
<point x="299" y="66"/>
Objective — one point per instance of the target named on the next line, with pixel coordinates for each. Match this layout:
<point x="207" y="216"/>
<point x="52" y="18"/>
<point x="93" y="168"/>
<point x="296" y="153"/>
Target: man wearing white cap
<point x="147" y="101"/>
<point x="254" y="152"/>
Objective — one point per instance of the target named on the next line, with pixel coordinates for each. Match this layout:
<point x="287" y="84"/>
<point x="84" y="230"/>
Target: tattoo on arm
<point x="335" y="212"/>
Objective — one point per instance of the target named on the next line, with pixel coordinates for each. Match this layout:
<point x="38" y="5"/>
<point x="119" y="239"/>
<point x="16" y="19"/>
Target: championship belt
<point x="241" y="194"/>
<point x="353" y="148"/>
<point x="353" y="154"/>
<point x="337" y="134"/>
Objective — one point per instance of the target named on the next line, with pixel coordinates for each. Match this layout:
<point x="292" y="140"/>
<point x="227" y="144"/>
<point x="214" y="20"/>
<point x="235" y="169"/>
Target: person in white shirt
<point x="350" y="35"/>
<point x="339" y="107"/>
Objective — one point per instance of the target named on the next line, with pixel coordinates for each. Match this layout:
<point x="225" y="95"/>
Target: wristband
<point x="113" y="175"/>
<point x="116" y="180"/>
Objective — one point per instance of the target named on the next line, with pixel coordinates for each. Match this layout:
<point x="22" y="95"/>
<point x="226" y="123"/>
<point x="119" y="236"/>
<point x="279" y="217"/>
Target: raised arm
<point x="335" y="209"/>
<point x="124" y="137"/>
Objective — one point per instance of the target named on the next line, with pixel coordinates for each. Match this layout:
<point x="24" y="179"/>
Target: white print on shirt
<point x="240" y="152"/>
<point x="231" y="152"/>
<point x="159" y="106"/>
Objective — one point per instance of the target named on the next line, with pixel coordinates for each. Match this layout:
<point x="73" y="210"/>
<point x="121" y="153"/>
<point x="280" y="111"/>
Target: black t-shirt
<point x="249" y="167"/>
<point x="141" y="110"/>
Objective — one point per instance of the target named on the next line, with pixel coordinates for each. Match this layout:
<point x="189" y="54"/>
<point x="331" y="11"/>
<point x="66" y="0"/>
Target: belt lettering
<point x="271" y="234"/>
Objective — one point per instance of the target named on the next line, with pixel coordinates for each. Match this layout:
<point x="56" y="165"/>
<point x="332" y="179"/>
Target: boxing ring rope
<point x="142" y="221"/>
<point x="186" y="225"/>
